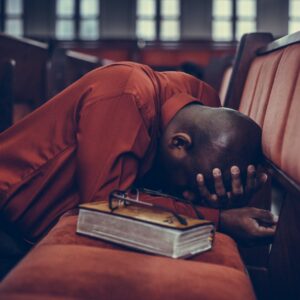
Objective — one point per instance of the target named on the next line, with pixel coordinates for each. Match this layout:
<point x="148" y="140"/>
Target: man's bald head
<point x="200" y="138"/>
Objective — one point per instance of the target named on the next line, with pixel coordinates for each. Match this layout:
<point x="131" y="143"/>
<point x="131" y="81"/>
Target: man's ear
<point x="180" y="142"/>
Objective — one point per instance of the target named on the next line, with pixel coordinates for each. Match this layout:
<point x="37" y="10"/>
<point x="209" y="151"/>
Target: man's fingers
<point x="251" y="178"/>
<point x="237" y="187"/>
<point x="262" y="231"/>
<point x="218" y="180"/>
<point x="262" y="179"/>
<point x="202" y="187"/>
<point x="265" y="217"/>
<point x="204" y="191"/>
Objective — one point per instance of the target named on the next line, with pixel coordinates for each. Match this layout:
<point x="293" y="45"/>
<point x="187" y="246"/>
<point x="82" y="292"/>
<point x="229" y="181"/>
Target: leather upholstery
<point x="65" y="265"/>
<point x="83" y="272"/>
<point x="224" y="251"/>
<point x="271" y="98"/>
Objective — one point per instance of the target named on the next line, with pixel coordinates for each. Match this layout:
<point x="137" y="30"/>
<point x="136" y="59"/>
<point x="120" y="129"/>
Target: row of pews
<point x="32" y="72"/>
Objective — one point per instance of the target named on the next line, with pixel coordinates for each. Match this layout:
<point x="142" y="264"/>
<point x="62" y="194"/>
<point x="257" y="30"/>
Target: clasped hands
<point x="243" y="223"/>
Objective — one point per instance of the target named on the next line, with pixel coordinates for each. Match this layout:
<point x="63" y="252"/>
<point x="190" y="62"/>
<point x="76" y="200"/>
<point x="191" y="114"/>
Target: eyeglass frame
<point x="177" y="199"/>
<point x="123" y="197"/>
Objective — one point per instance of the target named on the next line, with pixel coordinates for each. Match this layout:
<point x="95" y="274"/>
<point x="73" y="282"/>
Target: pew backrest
<point x="31" y="58"/>
<point x="269" y="93"/>
<point x="245" y="53"/>
<point x="67" y="66"/>
<point x="78" y="64"/>
<point x="215" y="70"/>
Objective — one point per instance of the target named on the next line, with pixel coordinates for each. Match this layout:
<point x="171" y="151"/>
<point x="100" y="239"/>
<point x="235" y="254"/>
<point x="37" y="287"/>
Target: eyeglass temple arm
<point x="158" y="193"/>
<point x="180" y="219"/>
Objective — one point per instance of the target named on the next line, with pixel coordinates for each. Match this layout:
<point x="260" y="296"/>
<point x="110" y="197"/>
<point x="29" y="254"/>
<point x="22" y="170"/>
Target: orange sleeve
<point x="112" y="138"/>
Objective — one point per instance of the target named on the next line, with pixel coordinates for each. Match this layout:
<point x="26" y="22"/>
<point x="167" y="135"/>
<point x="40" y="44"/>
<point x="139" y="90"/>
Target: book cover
<point x="146" y="214"/>
<point x="149" y="229"/>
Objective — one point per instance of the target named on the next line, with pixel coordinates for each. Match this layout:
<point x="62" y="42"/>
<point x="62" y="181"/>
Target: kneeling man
<point x="116" y="127"/>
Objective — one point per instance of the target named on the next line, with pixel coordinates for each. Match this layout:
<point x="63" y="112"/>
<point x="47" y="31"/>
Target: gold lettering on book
<point x="169" y="220"/>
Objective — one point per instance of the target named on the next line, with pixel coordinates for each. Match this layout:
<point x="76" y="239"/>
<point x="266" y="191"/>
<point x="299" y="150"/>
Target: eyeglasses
<point x="176" y="199"/>
<point x="118" y="198"/>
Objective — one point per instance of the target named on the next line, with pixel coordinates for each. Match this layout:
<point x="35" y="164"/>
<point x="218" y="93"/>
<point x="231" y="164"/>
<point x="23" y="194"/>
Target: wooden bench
<point x="31" y="58"/>
<point x="265" y="85"/>
<point x="78" y="64"/>
<point x="215" y="70"/>
<point x="29" y="85"/>
<point x="67" y="66"/>
<point x="41" y="71"/>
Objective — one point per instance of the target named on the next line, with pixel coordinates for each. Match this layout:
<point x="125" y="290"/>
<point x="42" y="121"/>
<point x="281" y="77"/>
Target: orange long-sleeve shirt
<point x="97" y="135"/>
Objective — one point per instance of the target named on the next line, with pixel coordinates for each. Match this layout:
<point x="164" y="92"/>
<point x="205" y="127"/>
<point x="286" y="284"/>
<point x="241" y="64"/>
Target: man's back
<point x="97" y="135"/>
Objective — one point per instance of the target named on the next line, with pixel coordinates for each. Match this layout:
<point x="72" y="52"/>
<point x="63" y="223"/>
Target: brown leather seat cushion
<point x="65" y="265"/>
<point x="87" y="272"/>
<point x="224" y="250"/>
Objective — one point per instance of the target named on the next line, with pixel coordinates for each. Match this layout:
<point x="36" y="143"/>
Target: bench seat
<point x="69" y="266"/>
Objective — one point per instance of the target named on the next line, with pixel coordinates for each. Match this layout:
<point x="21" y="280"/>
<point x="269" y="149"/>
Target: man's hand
<point x="248" y="224"/>
<point x="239" y="194"/>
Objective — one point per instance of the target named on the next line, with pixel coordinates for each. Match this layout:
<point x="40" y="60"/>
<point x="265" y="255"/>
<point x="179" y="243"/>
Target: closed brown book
<point x="149" y="229"/>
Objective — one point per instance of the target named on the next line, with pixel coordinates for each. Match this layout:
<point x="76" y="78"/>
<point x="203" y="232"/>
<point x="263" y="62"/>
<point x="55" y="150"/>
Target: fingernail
<point x="199" y="177"/>
<point x="216" y="172"/>
<point x="235" y="170"/>
<point x="251" y="168"/>
<point x="275" y="218"/>
<point x="264" y="177"/>
<point x="214" y="197"/>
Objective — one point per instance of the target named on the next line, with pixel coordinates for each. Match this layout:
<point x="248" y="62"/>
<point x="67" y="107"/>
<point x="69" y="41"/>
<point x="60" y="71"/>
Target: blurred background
<point x="184" y="27"/>
<point x="45" y="45"/>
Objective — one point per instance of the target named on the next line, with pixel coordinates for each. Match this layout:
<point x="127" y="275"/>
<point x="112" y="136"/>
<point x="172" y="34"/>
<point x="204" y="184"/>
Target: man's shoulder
<point x="127" y="66"/>
<point x="141" y="79"/>
<point x="124" y="70"/>
<point x="124" y="78"/>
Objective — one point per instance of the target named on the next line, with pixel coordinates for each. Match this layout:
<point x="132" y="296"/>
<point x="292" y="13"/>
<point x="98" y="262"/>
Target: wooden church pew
<point x="225" y="83"/>
<point x="41" y="71"/>
<point x="245" y="54"/>
<point x="78" y="64"/>
<point x="67" y="66"/>
<point x="265" y="86"/>
<point x="215" y="70"/>
<point x="29" y="84"/>
<point x="31" y="59"/>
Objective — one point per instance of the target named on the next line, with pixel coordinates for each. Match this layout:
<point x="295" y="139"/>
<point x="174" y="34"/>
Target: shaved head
<point x="200" y="138"/>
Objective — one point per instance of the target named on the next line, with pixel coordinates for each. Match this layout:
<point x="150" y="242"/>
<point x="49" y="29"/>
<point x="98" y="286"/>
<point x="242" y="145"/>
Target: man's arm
<point x="112" y="140"/>
<point x="248" y="224"/>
